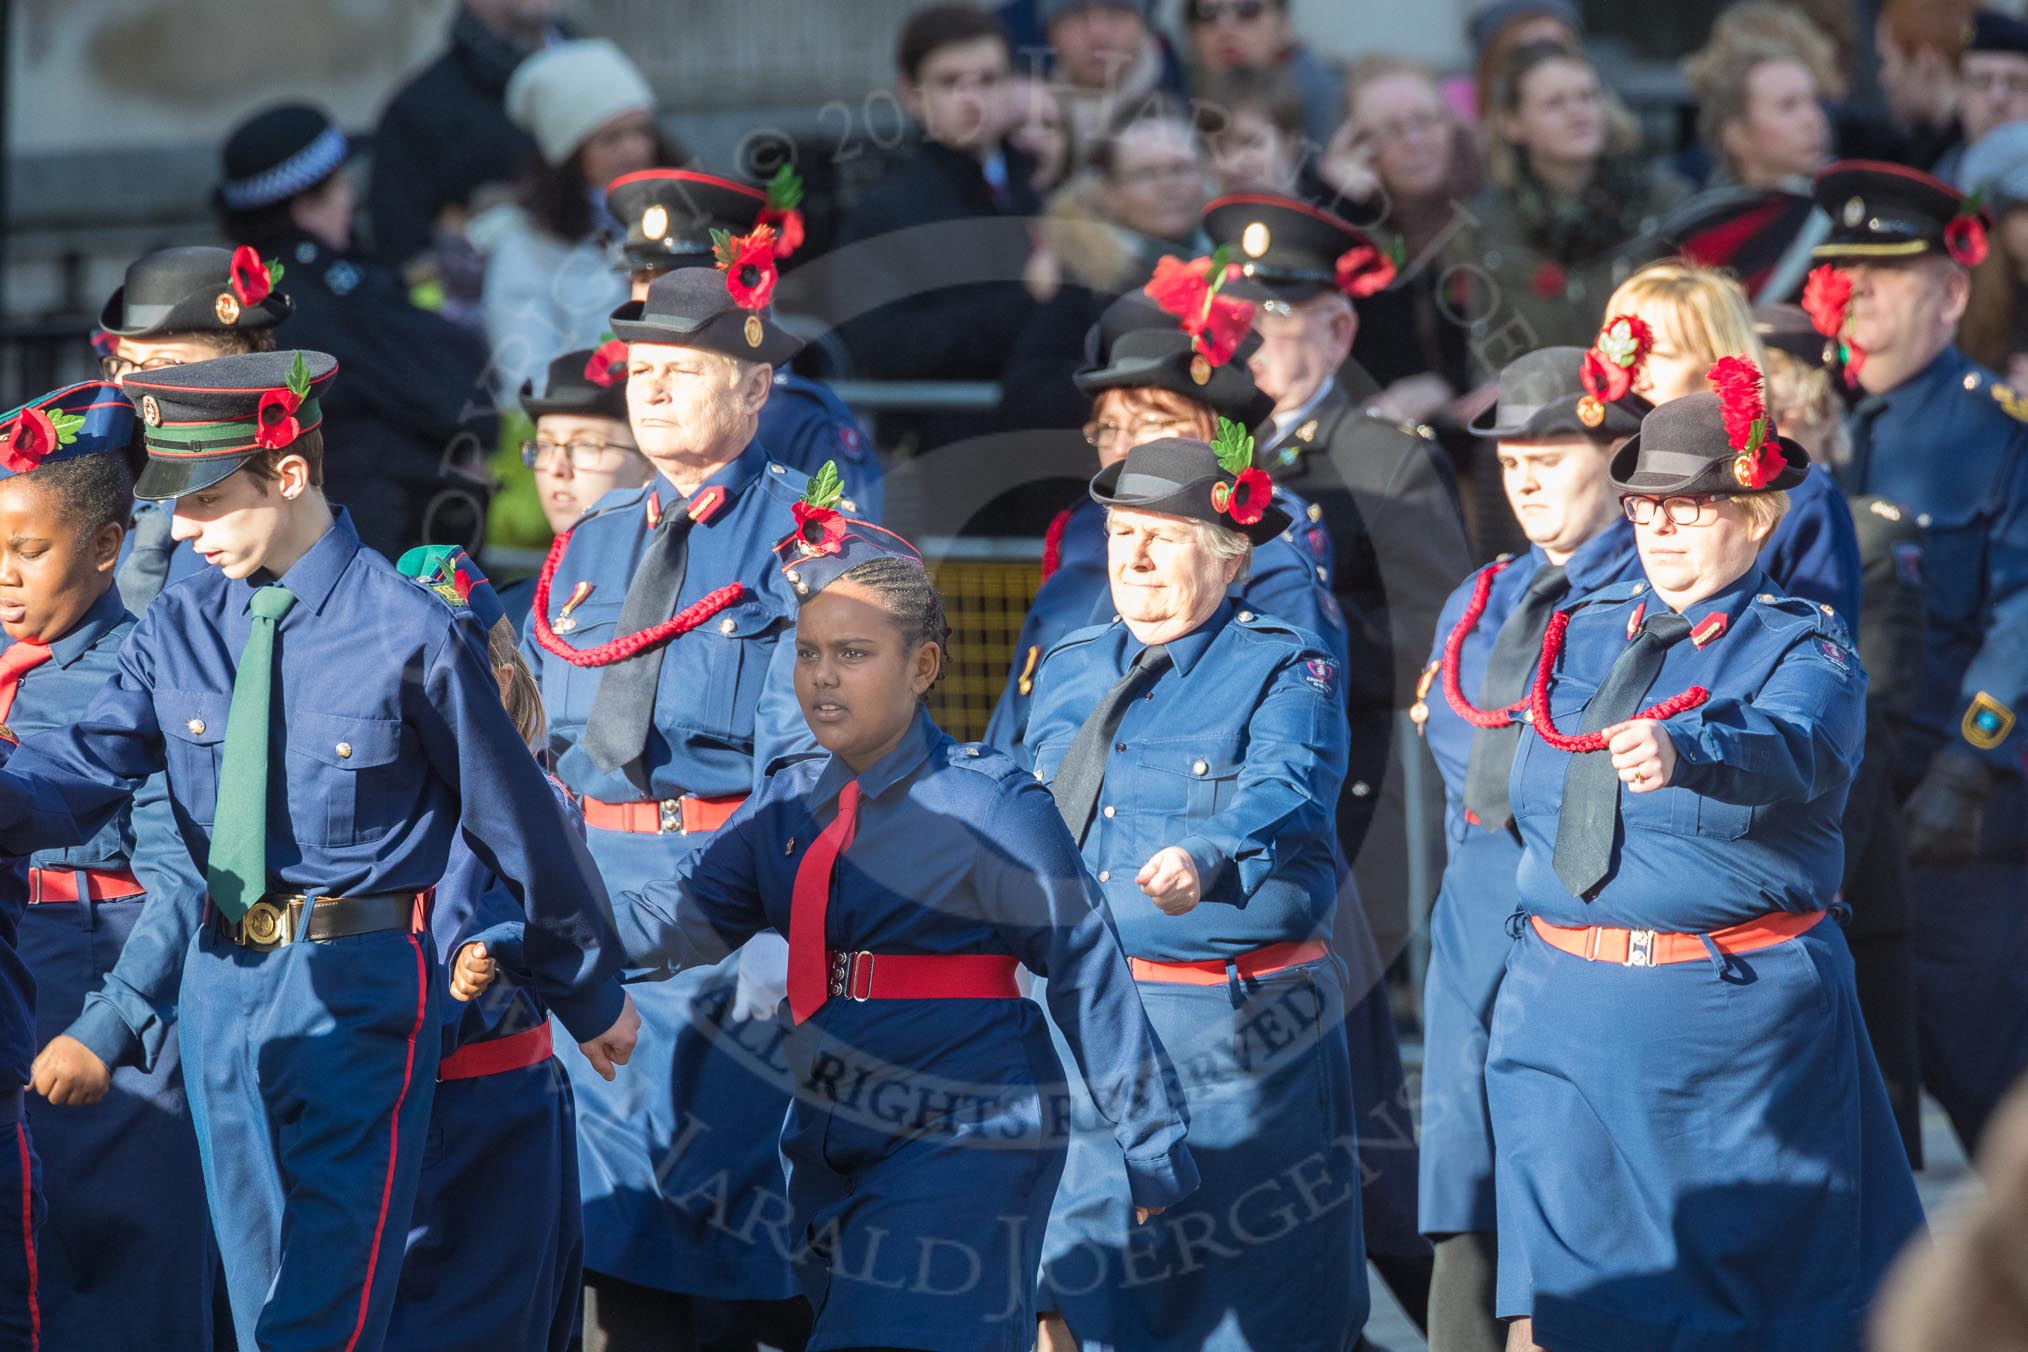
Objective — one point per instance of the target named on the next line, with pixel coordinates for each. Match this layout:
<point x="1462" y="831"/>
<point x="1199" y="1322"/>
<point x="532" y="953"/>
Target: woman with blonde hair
<point x="1695" y="315"/>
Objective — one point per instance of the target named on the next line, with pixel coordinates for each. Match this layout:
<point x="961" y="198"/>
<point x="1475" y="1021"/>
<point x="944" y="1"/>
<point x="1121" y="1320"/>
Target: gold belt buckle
<point x="262" y="923"/>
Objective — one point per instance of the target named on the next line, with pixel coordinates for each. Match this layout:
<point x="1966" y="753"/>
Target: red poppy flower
<point x="1178" y="288"/>
<point x="275" y="420"/>
<point x="1549" y="280"/>
<point x="1826" y="294"/>
<point x="1251" y="493"/>
<point x="1363" y="270"/>
<point x="750" y="275"/>
<point x="1965" y="239"/>
<point x="1604" y="380"/>
<point x="1217" y="331"/>
<point x="249" y="276"/>
<point x="819" y="530"/>
<point x="33" y="437"/>
<point x="608" y="360"/>
<point x="788" y="227"/>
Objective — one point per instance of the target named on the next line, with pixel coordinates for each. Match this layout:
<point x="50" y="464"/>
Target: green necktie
<point x="238" y="871"/>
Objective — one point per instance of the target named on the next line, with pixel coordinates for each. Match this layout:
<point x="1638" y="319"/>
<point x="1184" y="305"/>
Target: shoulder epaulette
<point x="783" y="762"/>
<point x="989" y="761"/>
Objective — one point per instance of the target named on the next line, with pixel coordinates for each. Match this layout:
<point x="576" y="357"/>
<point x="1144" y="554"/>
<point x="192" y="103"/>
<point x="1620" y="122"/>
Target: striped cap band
<point x="301" y="171"/>
<point x="199" y="441"/>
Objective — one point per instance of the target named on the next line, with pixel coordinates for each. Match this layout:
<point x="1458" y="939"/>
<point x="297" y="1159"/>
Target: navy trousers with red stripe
<point x="310" y="1072"/>
<point x="20" y="1219"/>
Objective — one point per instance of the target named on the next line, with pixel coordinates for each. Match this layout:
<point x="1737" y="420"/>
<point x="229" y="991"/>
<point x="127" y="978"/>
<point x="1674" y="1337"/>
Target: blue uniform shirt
<point x="392" y="741"/>
<point x="1236" y="753"/>
<point x="803" y="424"/>
<point x="1814" y="551"/>
<point x="956" y="850"/>
<point x="1951" y="445"/>
<point x="1290" y="579"/>
<point x="1752" y="820"/>
<point x="726" y="704"/>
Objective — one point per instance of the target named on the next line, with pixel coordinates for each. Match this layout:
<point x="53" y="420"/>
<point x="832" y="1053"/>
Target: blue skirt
<point x="1690" y="1160"/>
<point x="1269" y="1252"/>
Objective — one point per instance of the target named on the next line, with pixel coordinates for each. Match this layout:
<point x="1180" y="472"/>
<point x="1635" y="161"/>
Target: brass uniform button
<point x="344" y="751"/>
<point x="196" y="726"/>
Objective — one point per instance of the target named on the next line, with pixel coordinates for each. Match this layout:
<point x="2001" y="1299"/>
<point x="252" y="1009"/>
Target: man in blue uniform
<point x="669" y="215"/>
<point x="1942" y="438"/>
<point x="659" y="637"/>
<point x="175" y="306"/>
<point x="308" y="995"/>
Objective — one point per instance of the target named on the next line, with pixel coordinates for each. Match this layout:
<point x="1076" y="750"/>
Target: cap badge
<point x="1200" y="370"/>
<point x="1590" y="411"/>
<point x="1855" y="212"/>
<point x="1254" y="240"/>
<point x="655" y="221"/>
<point x="226" y="307"/>
<point x="753" y="331"/>
<point x="151" y="412"/>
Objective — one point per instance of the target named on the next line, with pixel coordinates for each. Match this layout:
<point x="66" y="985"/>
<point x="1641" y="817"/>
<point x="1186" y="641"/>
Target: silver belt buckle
<point x="671" y="822"/>
<point x="857" y="989"/>
<point x="1640" y="948"/>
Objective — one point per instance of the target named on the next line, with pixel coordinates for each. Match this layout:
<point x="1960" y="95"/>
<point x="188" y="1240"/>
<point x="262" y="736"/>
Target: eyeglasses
<point x="1102" y="434"/>
<point x="1209" y="12"/>
<point x="1402" y="129"/>
<point x="1996" y="82"/>
<point x="112" y="368"/>
<point x="590" y="456"/>
<point x="1681" y="511"/>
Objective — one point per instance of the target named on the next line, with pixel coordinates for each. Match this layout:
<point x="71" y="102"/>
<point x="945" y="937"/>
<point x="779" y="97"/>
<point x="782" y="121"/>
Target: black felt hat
<point x="690" y="307"/>
<point x="203" y="421"/>
<point x="1288" y="250"/>
<point x="195" y="288"/>
<point x="670" y="214"/>
<point x="1993" y="31"/>
<point x="588" y="383"/>
<point x="277" y="153"/>
<point x="1137" y="344"/>
<point x="1880" y="210"/>
<point x="1181" y="476"/>
<point x="1542" y="398"/>
<point x="1683" y="449"/>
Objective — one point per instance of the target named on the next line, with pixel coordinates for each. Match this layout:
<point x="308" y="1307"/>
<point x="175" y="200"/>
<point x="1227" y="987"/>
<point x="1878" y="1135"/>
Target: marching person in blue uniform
<point x="496" y="1242"/>
<point x="1555" y="441"/>
<point x="669" y="215"/>
<point x="125" y="1196"/>
<point x="583" y="446"/>
<point x="912" y="877"/>
<point x="1686" y="1105"/>
<point x="659" y="635"/>
<point x="1195" y="749"/>
<point x="308" y="997"/>
<point x="21" y="1179"/>
<point x="174" y="306"/>
<point x="1147" y="380"/>
<point x="1941" y="438"/>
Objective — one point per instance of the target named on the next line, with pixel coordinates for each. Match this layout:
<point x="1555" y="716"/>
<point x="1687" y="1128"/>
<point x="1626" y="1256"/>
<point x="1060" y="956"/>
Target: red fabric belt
<point x="923" y="976"/>
<point x="1652" y="948"/>
<point x="1211" y="972"/>
<point x="46" y="885"/>
<point x="662" y="816"/>
<point x="517" y="1051"/>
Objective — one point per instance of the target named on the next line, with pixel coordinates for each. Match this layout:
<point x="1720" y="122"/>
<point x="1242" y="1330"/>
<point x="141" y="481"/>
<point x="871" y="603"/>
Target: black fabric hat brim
<point x="162" y="480"/>
<point x="570" y="405"/>
<point x="1558" y="421"/>
<point x="1230" y="392"/>
<point x="192" y="314"/>
<point x="1711" y="475"/>
<point x="723" y="333"/>
<point x="1191" y="501"/>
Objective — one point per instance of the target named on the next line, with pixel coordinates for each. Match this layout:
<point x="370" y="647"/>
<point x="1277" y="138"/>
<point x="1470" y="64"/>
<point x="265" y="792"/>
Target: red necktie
<point x="19" y="658"/>
<point x="809" y="963"/>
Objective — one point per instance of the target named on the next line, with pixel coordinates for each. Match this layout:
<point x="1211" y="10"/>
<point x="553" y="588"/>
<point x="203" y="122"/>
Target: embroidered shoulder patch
<point x="1321" y="675"/>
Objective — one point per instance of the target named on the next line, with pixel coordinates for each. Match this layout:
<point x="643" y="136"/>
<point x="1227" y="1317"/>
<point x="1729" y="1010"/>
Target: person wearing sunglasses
<point x="1227" y="35"/>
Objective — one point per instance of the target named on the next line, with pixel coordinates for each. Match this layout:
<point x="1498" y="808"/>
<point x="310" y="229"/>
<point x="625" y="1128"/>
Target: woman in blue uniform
<point x="1147" y="380"/>
<point x="1196" y="750"/>
<point x="1555" y="441"/>
<point x="495" y="1254"/>
<point x="1696" y="1150"/>
<point x="912" y="876"/>
<point x="126" y="1257"/>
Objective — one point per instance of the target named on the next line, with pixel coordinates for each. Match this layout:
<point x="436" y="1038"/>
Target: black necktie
<point x="1083" y="770"/>
<point x="616" y="731"/>
<point x="1860" y="426"/>
<point x="1516" y="652"/>
<point x="1591" y="787"/>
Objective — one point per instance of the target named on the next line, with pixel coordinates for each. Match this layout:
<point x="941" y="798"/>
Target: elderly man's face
<point x="1166" y="581"/>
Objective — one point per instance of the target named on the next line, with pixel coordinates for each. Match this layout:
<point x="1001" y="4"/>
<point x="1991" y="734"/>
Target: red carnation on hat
<point x="252" y="279"/>
<point x="1748" y="429"/>
<point x="1827" y="299"/>
<point x="1615" y="358"/>
<point x="748" y="262"/>
<point x="1363" y="270"/>
<point x="607" y="361"/>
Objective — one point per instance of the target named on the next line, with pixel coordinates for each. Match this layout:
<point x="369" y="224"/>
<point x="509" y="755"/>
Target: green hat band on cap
<point x="196" y="441"/>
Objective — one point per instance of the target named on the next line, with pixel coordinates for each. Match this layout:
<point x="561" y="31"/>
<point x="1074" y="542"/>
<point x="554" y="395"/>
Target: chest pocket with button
<point x="1176" y="782"/>
<point x="344" y="778"/>
<point x="193" y="736"/>
<point x="568" y="691"/>
<point x="713" y="676"/>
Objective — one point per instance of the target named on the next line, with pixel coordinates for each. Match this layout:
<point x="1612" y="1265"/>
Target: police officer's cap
<point x="1542" y="398"/>
<point x="1286" y="250"/>
<point x="669" y="214"/>
<point x="1682" y="450"/>
<point x="277" y="153"/>
<point x="691" y="307"/>
<point x="193" y="288"/>
<point x="202" y="421"/>
<point x="90" y="418"/>
<point x="1884" y="211"/>
<point x="1135" y="344"/>
<point x="1179" y="476"/>
<point x="588" y="383"/>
